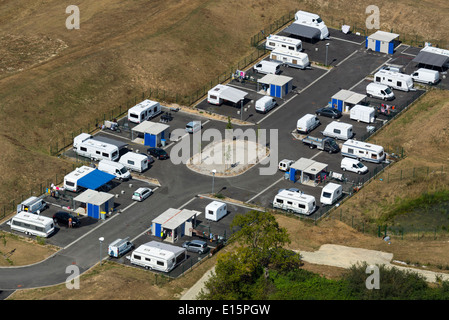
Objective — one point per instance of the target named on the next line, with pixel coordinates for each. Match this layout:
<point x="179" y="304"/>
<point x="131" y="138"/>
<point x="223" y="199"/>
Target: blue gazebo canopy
<point x="95" y="179"/>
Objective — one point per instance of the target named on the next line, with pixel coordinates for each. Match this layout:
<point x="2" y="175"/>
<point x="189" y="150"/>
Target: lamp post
<point x="327" y="48"/>
<point x="213" y="178"/>
<point x="101" y="241"/>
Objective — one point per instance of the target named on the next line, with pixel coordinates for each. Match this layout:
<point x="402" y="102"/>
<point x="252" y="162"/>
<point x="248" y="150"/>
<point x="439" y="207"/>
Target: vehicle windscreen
<point x="123" y="170"/>
<point x="388" y="90"/>
<point x="326" y="194"/>
<point x="360" y="165"/>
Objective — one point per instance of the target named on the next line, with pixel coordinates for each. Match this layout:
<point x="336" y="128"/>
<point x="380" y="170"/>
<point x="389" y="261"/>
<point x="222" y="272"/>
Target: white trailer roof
<point x="173" y="218"/>
<point x="159" y="249"/>
<point x="80" y="172"/>
<point x="94" y="197"/>
<point x="228" y="93"/>
<point x="383" y="36"/>
<point x="149" y="127"/>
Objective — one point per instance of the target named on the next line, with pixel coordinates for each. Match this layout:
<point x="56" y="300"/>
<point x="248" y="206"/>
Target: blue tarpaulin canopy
<point x="95" y="179"/>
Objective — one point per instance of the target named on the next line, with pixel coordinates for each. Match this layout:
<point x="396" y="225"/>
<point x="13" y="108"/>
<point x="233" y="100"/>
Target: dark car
<point x="158" y="153"/>
<point x="196" y="246"/>
<point x="62" y="218"/>
<point x="329" y="112"/>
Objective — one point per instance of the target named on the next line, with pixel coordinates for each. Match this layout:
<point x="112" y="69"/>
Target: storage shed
<point x="343" y="100"/>
<point x="277" y="86"/>
<point x="173" y="224"/>
<point x="307" y="171"/>
<point x="94" y="202"/>
<point x="152" y="133"/>
<point x="381" y="41"/>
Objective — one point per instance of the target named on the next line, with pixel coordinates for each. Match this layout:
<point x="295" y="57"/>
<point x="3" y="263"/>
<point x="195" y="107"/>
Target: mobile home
<point x="296" y="202"/>
<point x="85" y="145"/>
<point x="275" y="41"/>
<point x="144" y="110"/>
<point x="134" y="161"/>
<point x="395" y="80"/>
<point x="158" y="256"/>
<point x="32" y="224"/>
<point x="331" y="193"/>
<point x="363" y="151"/>
<point x="362" y="113"/>
<point x="290" y="59"/>
<point x="71" y="179"/>
<point x="338" y="130"/>
<point x="215" y="210"/>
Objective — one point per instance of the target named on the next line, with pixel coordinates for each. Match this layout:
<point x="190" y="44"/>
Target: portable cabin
<point x="277" y="86"/>
<point x="144" y="110"/>
<point x="32" y="224"/>
<point x="158" y="256"/>
<point x="93" y="203"/>
<point x="343" y="100"/>
<point x="173" y="224"/>
<point x="381" y="41"/>
<point x="290" y="58"/>
<point x="275" y="41"/>
<point x="395" y="80"/>
<point x="296" y="202"/>
<point x="215" y="210"/>
<point x="153" y="134"/>
<point x="307" y="171"/>
<point x="363" y="151"/>
<point x="362" y="113"/>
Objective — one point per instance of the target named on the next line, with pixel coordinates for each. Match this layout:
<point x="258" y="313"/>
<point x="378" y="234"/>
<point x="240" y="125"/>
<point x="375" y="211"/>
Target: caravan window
<point x="272" y="44"/>
<point x="83" y="149"/>
<point x="279" y="201"/>
<point x="399" y="83"/>
<point x="350" y="150"/>
<point x="289" y="202"/>
<point x="97" y="152"/>
<point x="114" y="154"/>
<point x="337" y="131"/>
<point x="70" y="183"/>
<point x="374" y="156"/>
<point x="160" y="263"/>
<point x="180" y="258"/>
<point x="132" y="115"/>
<point x="147" y="259"/>
<point x="137" y="257"/>
<point x="104" y="154"/>
<point x="301" y="206"/>
<point x="326" y="194"/>
<point x="294" y="61"/>
<point x="131" y="162"/>
<point x="377" y="79"/>
<point x="291" y="48"/>
<point x="214" y="97"/>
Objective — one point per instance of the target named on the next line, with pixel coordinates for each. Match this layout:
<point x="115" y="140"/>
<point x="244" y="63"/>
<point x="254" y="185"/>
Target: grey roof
<point x="117" y="143"/>
<point x="149" y="127"/>
<point x="303" y="31"/>
<point x="94" y="197"/>
<point x="431" y="59"/>
<point x="173" y="218"/>
<point x="277" y="80"/>
<point x="383" y="36"/>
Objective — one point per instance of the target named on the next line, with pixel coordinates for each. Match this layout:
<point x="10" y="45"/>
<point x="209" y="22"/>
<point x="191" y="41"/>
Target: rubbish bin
<point x="103" y="215"/>
<point x="163" y="142"/>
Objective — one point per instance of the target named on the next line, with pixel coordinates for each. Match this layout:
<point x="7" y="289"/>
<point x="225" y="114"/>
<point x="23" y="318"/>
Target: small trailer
<point x="215" y="210"/>
<point x="325" y="144"/>
<point x="362" y="113"/>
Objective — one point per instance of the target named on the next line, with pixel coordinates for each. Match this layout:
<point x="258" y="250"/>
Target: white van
<point x="134" y="161"/>
<point x="362" y="113"/>
<point x="193" y="126"/>
<point x="290" y="58"/>
<point x="119" y="247"/>
<point x="363" y="151"/>
<point x="32" y="224"/>
<point x="265" y="104"/>
<point x="275" y="41"/>
<point x="331" y="193"/>
<point x="117" y="169"/>
<point x="307" y="123"/>
<point x="426" y="76"/>
<point x="268" y="67"/>
<point x="32" y="205"/>
<point x="284" y="165"/>
<point x="338" y="130"/>
<point x="312" y="20"/>
<point x="296" y="202"/>
<point x="353" y="165"/>
<point x="144" y="110"/>
<point x="379" y="91"/>
<point x="158" y="256"/>
<point x="395" y="80"/>
<point x="85" y="145"/>
<point x="215" y="210"/>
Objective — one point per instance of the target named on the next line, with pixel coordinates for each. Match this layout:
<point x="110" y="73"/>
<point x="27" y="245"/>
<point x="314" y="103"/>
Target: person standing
<point x="70" y="222"/>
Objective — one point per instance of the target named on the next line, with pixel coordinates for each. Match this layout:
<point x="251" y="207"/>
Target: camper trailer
<point x="296" y="202"/>
<point x="395" y="80"/>
<point x="362" y="113"/>
<point x="215" y="210"/>
<point x="426" y="76"/>
<point x="221" y="93"/>
<point x="119" y="247"/>
<point x="331" y="193"/>
<point x="268" y="67"/>
<point x="363" y="151"/>
<point x="275" y="41"/>
<point x="312" y="20"/>
<point x="379" y="91"/>
<point x="32" y="205"/>
<point x="32" y="224"/>
<point x="117" y="169"/>
<point x="290" y="59"/>
<point x="307" y="123"/>
<point x="338" y="130"/>
<point x="85" y="145"/>
<point x="144" y="110"/>
<point x="71" y="179"/>
<point x="134" y="161"/>
<point x="158" y="256"/>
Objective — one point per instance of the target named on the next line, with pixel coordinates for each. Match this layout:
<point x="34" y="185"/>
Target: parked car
<point x="150" y="158"/>
<point x="197" y="246"/>
<point x="329" y="112"/>
<point x="158" y="153"/>
<point x="62" y="218"/>
<point x="141" y="194"/>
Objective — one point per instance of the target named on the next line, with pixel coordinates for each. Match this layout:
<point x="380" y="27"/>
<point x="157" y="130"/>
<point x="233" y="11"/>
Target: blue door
<point x="292" y="174"/>
<point x="150" y="140"/>
<point x="278" y="92"/>
<point x="157" y="231"/>
<point x="377" y="46"/>
<point x="272" y="90"/>
<point x="391" y="47"/>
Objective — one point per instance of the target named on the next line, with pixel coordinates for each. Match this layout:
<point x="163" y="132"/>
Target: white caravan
<point x="290" y="59"/>
<point x="338" y="130"/>
<point x="85" y="145"/>
<point x="32" y="205"/>
<point x="275" y="41"/>
<point x="395" y="80"/>
<point x="265" y="104"/>
<point x="117" y="169"/>
<point x="312" y="20"/>
<point x="221" y="93"/>
<point x="215" y="210"/>
<point x="426" y="76"/>
<point x="362" y="113"/>
<point x="144" y="110"/>
<point x="363" y="151"/>
<point x="307" y="123"/>
<point x="158" y="256"/>
<point x="268" y="67"/>
<point x="134" y="161"/>
<point x="331" y="193"/>
<point x="32" y="224"/>
<point x="296" y="202"/>
<point x="71" y="179"/>
<point x="379" y="91"/>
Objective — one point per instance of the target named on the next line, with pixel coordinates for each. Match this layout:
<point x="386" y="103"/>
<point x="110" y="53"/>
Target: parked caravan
<point x="215" y="210"/>
<point x="117" y="169"/>
<point x="312" y="20"/>
<point x="71" y="179"/>
<point x="395" y="80"/>
<point x="221" y="93"/>
<point x="331" y="193"/>
<point x="193" y="126"/>
<point x="363" y="151"/>
<point x="338" y="130"/>
<point x="275" y="41"/>
<point x="134" y="161"/>
<point x="284" y="165"/>
<point x="265" y="104"/>
<point x="325" y="144"/>
<point x="426" y="76"/>
<point x="307" y="123"/>
<point x="353" y="165"/>
<point x="144" y="110"/>
<point x="379" y="91"/>
<point x="268" y="67"/>
<point x="158" y="256"/>
<point x="119" y="247"/>
<point x="290" y="59"/>
<point x="296" y="202"/>
<point x="32" y="224"/>
<point x="85" y="145"/>
<point x="362" y="113"/>
<point x="32" y="205"/>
